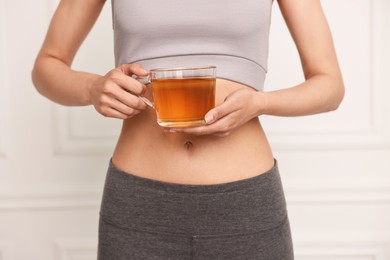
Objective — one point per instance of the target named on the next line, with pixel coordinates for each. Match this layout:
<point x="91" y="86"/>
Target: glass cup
<point x="182" y="96"/>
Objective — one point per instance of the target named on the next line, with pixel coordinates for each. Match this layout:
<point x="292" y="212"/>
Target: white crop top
<point x="232" y="35"/>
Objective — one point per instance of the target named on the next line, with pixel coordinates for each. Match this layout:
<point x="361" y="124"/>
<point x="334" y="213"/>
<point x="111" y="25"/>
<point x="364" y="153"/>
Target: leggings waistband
<point x="244" y="206"/>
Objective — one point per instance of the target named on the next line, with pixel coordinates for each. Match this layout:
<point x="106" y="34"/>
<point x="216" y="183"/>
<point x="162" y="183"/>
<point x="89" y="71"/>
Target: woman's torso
<point x="145" y="149"/>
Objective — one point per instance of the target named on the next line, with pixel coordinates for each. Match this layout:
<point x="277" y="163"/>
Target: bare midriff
<point x="146" y="150"/>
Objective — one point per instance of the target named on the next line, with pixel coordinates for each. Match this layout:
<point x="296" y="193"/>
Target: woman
<point x="206" y="192"/>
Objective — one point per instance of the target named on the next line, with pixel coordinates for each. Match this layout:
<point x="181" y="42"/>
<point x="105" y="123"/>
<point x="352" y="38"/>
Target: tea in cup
<point x="182" y="96"/>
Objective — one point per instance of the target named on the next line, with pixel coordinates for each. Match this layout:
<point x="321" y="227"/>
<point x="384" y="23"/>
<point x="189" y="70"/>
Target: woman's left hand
<point x="238" y="108"/>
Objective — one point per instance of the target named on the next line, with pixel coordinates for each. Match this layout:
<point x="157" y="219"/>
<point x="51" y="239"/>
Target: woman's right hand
<point x="117" y="94"/>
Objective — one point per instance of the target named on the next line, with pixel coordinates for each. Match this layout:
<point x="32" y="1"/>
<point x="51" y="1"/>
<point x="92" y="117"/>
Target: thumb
<point x="220" y="111"/>
<point x="134" y="68"/>
<point x="209" y="117"/>
<point x="216" y="113"/>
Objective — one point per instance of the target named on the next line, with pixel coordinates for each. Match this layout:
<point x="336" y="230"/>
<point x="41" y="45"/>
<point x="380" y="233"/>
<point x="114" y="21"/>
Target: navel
<point x="188" y="145"/>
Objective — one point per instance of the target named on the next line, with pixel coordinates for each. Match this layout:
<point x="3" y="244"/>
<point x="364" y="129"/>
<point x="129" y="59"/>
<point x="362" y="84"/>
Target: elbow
<point x="35" y="77"/>
<point x="337" y="95"/>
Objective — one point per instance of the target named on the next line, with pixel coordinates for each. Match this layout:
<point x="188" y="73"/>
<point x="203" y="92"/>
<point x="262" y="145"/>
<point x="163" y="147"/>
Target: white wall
<point x="335" y="167"/>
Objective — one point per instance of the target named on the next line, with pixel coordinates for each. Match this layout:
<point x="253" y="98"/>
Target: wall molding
<point x="316" y="196"/>
<point x="6" y="250"/>
<point x="76" y="249"/>
<point x="4" y="131"/>
<point x="378" y="136"/>
<point x="67" y="141"/>
<point x="301" y="195"/>
<point x="374" y="139"/>
<point x="47" y="201"/>
<point x="341" y="245"/>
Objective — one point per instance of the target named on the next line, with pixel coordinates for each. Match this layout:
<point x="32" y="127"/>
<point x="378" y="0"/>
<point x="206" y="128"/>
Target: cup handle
<point x="146" y="81"/>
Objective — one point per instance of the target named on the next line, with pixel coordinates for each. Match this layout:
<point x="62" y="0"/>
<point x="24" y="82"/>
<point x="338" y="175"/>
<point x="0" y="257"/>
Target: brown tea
<point x="183" y="101"/>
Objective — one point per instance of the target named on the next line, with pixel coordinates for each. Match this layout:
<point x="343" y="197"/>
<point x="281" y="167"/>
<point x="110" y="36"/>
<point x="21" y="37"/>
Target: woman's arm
<point x="52" y="74"/>
<point x="113" y="95"/>
<point x="322" y="91"/>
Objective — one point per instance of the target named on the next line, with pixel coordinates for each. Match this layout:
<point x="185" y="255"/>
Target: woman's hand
<point x="117" y="94"/>
<point x="238" y="108"/>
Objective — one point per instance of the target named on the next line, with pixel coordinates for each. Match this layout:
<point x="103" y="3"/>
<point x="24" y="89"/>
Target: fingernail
<point x="169" y="130"/>
<point x="208" y="119"/>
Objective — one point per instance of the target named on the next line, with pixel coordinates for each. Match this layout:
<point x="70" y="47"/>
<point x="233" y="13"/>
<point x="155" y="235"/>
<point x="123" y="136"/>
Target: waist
<point x="144" y="149"/>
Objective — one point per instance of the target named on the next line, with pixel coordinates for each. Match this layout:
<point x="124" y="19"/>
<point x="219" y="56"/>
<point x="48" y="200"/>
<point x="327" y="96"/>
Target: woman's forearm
<point x="318" y="94"/>
<point x="57" y="81"/>
<point x="52" y="74"/>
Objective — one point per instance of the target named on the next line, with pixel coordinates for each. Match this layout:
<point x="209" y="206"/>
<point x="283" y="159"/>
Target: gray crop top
<point x="232" y="35"/>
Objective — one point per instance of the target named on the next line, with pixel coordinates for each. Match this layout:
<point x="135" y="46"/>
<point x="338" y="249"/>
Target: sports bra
<point x="232" y="35"/>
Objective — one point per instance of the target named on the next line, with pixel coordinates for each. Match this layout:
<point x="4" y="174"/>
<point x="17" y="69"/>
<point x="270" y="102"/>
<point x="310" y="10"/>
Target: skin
<point x="194" y="155"/>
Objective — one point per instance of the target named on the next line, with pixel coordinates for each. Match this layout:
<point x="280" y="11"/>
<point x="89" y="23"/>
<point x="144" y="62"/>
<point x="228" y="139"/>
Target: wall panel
<point x="81" y="130"/>
<point x="361" y="120"/>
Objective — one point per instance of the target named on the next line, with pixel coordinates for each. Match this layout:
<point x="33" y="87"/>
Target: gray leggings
<point x="146" y="219"/>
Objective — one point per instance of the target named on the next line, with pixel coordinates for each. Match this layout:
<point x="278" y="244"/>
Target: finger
<point x="221" y="127"/>
<point x="219" y="112"/>
<point x="133" y="101"/>
<point x="113" y="103"/>
<point x="128" y="99"/>
<point x="112" y="89"/>
<point x="111" y="112"/>
<point x="199" y="131"/>
<point x="134" y="68"/>
<point x="121" y="107"/>
<point x="128" y="83"/>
